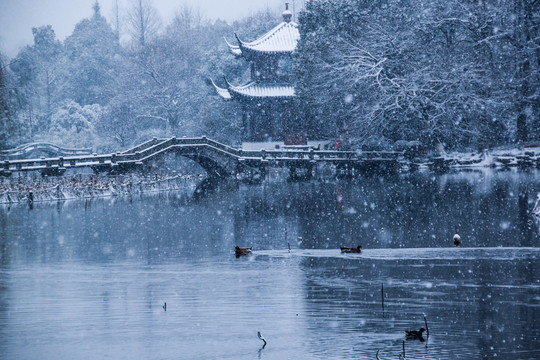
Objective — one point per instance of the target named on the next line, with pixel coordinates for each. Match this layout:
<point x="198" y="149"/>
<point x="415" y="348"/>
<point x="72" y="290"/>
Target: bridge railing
<point x="22" y="150"/>
<point x="155" y="147"/>
<point x="56" y="162"/>
<point x="223" y="147"/>
<point x="335" y="156"/>
<point x="300" y="154"/>
<point x="142" y="146"/>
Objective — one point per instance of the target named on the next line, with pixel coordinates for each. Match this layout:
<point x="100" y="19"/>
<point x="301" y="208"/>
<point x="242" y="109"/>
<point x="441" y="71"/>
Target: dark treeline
<point x="461" y="74"/>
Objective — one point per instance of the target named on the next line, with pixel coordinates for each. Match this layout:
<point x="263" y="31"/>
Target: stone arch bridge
<point x="217" y="159"/>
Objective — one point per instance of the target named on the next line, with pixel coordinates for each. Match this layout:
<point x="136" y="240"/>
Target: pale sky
<point x="17" y="17"/>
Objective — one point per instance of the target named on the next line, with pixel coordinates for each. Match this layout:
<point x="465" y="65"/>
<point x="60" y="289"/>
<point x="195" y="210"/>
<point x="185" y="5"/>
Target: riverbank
<point x="496" y="158"/>
<point x="30" y="187"/>
<point x="88" y="186"/>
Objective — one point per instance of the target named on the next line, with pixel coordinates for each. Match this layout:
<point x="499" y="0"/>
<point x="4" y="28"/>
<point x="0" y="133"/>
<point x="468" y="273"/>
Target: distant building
<point x="268" y="99"/>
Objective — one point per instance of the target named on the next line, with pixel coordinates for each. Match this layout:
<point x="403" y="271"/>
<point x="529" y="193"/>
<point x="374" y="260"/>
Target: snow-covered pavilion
<point x="268" y="99"/>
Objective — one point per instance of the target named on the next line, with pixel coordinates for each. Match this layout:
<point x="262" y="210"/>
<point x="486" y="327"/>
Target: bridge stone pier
<point x="218" y="160"/>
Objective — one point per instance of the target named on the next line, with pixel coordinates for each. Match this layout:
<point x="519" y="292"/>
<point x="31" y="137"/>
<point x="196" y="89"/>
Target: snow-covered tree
<point x="91" y="63"/>
<point x="7" y="108"/>
<point x="117" y="127"/>
<point x="430" y="71"/>
<point x="73" y="125"/>
<point x="36" y="73"/>
<point x="143" y="22"/>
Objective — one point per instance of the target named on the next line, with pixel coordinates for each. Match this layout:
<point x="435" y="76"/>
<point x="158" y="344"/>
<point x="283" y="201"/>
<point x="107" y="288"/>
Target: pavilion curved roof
<point x="224" y="93"/>
<point x="281" y="39"/>
<point x="234" y="49"/>
<point x="256" y="90"/>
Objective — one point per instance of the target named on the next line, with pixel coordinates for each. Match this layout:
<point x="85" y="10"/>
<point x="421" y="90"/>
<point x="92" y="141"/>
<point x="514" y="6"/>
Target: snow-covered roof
<point x="224" y="93"/>
<point x="255" y="90"/>
<point x="263" y="90"/>
<point x="281" y="39"/>
<point x="234" y="49"/>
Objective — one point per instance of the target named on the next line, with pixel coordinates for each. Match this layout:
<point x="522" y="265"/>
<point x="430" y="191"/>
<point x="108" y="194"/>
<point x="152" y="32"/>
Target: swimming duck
<point x="349" y="250"/>
<point x="238" y="251"/>
<point x="415" y="335"/>
<point x="457" y="239"/>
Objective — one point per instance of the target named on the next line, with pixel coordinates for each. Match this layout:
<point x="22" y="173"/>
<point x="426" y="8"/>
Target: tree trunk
<point x="523" y="29"/>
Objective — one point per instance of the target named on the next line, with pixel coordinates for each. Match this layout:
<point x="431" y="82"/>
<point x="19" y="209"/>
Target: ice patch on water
<point x="478" y="253"/>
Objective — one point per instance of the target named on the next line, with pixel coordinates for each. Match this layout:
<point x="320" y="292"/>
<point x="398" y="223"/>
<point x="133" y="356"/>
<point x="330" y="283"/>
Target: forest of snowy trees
<point x="93" y="90"/>
<point x="453" y="73"/>
<point x="461" y="74"/>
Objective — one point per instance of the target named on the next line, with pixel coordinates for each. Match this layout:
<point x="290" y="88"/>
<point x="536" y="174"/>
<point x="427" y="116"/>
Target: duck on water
<point x="238" y="251"/>
<point x="351" y="250"/>
<point x="414" y="334"/>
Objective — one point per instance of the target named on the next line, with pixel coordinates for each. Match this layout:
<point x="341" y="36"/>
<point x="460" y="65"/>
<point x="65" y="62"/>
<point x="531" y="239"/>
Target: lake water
<point x="88" y="279"/>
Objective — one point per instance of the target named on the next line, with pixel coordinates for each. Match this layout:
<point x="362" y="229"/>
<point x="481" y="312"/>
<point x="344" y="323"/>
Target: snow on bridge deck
<point x="205" y="151"/>
<point x="225" y="161"/>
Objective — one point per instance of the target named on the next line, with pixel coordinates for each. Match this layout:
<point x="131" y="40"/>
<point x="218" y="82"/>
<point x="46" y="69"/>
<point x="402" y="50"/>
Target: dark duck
<point x="238" y="251"/>
<point x="351" y="250"/>
<point x="414" y="335"/>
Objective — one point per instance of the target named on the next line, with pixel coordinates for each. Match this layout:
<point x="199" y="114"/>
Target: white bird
<point x="457" y="239"/>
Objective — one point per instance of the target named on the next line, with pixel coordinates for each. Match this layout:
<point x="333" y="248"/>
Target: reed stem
<point x="382" y="296"/>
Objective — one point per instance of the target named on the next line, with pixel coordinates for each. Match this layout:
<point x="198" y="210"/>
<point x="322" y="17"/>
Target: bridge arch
<point x="214" y="164"/>
<point x="217" y="160"/>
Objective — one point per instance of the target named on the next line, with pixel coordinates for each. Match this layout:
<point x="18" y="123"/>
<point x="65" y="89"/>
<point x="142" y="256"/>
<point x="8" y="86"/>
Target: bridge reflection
<point x="414" y="211"/>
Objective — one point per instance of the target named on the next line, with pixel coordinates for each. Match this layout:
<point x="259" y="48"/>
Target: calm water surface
<point x="88" y="279"/>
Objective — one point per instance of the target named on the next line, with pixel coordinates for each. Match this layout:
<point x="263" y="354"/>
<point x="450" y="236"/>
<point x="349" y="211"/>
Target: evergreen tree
<point x="37" y="71"/>
<point x="91" y="61"/>
<point x="7" y="111"/>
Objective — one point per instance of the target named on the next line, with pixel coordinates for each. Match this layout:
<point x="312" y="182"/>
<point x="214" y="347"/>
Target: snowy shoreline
<point x="498" y="158"/>
<point x="89" y="187"/>
<point x="33" y="188"/>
